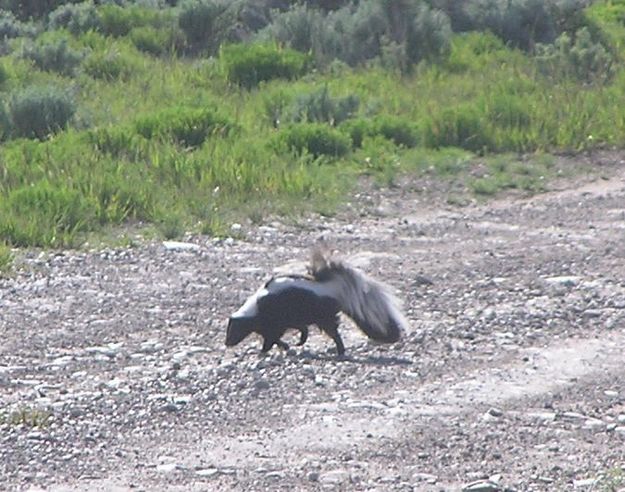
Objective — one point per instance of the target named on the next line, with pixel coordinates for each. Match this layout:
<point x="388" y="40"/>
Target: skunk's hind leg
<point x="331" y="326"/>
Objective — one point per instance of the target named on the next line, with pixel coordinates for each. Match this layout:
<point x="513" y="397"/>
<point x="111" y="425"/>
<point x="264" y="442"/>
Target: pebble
<point x="587" y="482"/>
<point x="313" y="476"/>
<point x="207" y="472"/>
<point x="425" y="477"/>
<point x="167" y="467"/>
<point x="566" y="281"/>
<point x="481" y="486"/>
<point x="335" y="477"/>
<point x="180" y="246"/>
<point x="594" y="424"/>
<point x="495" y="412"/>
<point x="262" y="384"/>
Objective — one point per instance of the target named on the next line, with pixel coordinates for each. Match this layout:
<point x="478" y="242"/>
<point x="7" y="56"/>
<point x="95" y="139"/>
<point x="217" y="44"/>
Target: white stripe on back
<point x="322" y="289"/>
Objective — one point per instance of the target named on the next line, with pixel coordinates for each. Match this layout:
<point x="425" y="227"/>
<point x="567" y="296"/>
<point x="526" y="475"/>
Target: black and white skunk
<point x="298" y="301"/>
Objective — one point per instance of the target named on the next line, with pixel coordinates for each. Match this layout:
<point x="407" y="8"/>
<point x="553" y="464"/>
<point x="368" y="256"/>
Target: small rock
<point x="481" y="486"/>
<point x="313" y="476"/>
<point x="572" y="416"/>
<point x="592" y="313"/>
<point x="275" y="474"/>
<point x="594" y="424"/>
<point x="167" y="467"/>
<point x="544" y="479"/>
<point x="565" y="281"/>
<point x="207" y="472"/>
<point x="610" y="393"/>
<point x="262" y="384"/>
<point x="495" y="412"/>
<point x="335" y="477"/>
<point x="587" y="482"/>
<point x="425" y="477"/>
<point x="180" y="246"/>
<point x="171" y="407"/>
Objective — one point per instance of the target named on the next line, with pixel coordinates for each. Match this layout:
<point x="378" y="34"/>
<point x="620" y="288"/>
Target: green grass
<point x="6" y="258"/>
<point x="175" y="143"/>
<point x="26" y="416"/>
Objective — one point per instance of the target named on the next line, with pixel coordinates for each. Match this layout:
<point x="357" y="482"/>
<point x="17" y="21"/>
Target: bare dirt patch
<point x="511" y="377"/>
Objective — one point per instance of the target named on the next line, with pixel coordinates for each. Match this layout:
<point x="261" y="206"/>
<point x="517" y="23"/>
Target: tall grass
<point x="185" y="142"/>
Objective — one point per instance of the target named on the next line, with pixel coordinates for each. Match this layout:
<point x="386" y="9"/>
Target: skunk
<point x="298" y="301"/>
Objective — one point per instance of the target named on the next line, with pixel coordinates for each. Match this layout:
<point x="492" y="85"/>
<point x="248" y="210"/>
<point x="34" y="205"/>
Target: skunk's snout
<point x="230" y="334"/>
<point x="238" y="329"/>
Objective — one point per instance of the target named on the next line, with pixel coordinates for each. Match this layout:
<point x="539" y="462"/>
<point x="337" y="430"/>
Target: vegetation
<point x="192" y="114"/>
<point x="26" y="416"/>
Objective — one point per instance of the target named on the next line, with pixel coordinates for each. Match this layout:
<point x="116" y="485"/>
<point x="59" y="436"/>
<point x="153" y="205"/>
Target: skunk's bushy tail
<point x="368" y="302"/>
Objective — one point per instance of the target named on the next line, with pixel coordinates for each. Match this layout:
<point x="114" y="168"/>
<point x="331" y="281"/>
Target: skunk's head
<point x="238" y="329"/>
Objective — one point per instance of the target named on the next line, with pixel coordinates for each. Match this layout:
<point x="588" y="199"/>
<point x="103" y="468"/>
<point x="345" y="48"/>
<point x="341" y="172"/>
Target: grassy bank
<point x="118" y="126"/>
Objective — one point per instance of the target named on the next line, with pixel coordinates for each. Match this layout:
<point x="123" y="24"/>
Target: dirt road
<point x="511" y="378"/>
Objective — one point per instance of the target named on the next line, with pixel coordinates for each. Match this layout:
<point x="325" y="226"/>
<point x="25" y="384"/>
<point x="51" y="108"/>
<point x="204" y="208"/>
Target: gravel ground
<point x="511" y="377"/>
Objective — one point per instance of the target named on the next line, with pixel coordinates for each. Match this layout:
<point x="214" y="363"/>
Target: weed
<point x="248" y="65"/>
<point x="110" y="64"/>
<point x="6" y="258"/>
<point x="26" y="416"/>
<point x="462" y="126"/>
<point x="315" y="139"/>
<point x="186" y="126"/>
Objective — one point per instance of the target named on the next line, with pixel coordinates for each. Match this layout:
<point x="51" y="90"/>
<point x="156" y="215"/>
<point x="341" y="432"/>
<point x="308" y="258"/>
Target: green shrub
<point x="53" y="56"/>
<point x="428" y="36"/>
<point x="5" y="122"/>
<point x="37" y="112"/>
<point x="4" y="74"/>
<point x="357" y="130"/>
<point x="156" y="41"/>
<point x="186" y="126"/>
<point x="116" y="141"/>
<point x="75" y="17"/>
<point x="110" y="65"/>
<point x="507" y="110"/>
<point x="206" y="23"/>
<point x="304" y="29"/>
<point x="581" y="58"/>
<point x="523" y="23"/>
<point x="117" y="20"/>
<point x="10" y="27"/>
<point x="320" y="106"/>
<point x="316" y="139"/>
<point x="248" y="65"/>
<point x="122" y="197"/>
<point x="400" y="131"/>
<point x="44" y="215"/>
<point x="461" y="126"/>
<point x="475" y="50"/>
<point x="30" y="9"/>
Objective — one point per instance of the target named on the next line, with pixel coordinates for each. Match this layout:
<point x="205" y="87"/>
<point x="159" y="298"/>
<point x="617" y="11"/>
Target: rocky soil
<point x="511" y="378"/>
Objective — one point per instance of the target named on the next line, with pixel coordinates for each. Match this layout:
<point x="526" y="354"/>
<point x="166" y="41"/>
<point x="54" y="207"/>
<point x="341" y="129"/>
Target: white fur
<point x="366" y="298"/>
